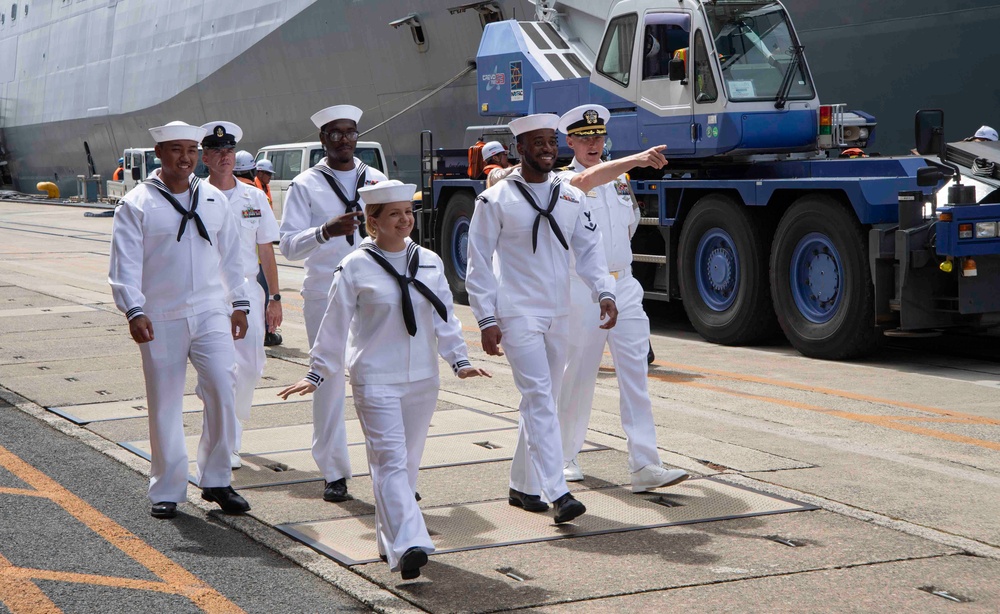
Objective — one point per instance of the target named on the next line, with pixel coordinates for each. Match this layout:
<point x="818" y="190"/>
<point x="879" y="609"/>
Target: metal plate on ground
<point x="473" y="526"/>
<point x="122" y="410"/>
<point x="282" y="455"/>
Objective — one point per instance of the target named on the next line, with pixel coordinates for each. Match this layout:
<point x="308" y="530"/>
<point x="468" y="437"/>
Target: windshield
<point x="152" y="162"/>
<point x="756" y="48"/>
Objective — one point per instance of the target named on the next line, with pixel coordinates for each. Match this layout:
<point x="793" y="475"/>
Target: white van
<point x="292" y="158"/>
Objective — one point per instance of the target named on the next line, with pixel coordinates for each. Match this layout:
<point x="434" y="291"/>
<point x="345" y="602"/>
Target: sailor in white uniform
<point x="258" y="230"/>
<point x="611" y="205"/>
<point x="177" y="274"/>
<point x="391" y="307"/>
<point x="532" y="219"/>
<point x="320" y="225"/>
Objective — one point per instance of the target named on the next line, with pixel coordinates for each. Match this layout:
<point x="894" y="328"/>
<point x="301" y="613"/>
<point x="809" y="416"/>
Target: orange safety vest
<point x="265" y="188"/>
<point x="119" y="174"/>
<point x="476" y="161"/>
<point x="247" y="181"/>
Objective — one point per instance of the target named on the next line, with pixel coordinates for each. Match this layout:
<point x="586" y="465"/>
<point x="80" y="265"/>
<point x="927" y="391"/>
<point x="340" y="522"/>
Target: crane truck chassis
<point x="754" y="227"/>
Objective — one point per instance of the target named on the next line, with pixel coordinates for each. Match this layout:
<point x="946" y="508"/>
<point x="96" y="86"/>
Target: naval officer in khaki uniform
<point x="258" y="230"/>
<point x="177" y="275"/>
<point x="320" y="225"/>
<point x="610" y="204"/>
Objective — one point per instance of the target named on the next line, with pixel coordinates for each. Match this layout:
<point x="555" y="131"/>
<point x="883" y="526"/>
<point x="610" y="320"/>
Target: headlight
<point x="986" y="230"/>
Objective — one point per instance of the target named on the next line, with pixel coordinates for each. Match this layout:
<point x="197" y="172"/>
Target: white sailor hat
<point x="331" y="114"/>
<point x="177" y="131"/>
<point x="585" y="120"/>
<point x="391" y="191"/>
<point x="491" y="149"/>
<point x="244" y="161"/>
<point x="266" y="166"/>
<point x="221" y="135"/>
<point x="538" y="121"/>
<point x="986" y="133"/>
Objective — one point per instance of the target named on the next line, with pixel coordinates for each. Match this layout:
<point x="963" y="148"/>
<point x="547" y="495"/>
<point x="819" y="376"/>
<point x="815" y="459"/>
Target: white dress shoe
<point x="234" y="461"/>
<point x="655" y="476"/>
<point x="572" y="472"/>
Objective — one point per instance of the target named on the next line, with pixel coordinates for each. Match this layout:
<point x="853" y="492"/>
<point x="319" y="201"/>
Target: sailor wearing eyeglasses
<point x="320" y="224"/>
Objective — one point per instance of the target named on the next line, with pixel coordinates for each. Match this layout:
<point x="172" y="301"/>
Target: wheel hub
<point x="720" y="270"/>
<point x="823" y="277"/>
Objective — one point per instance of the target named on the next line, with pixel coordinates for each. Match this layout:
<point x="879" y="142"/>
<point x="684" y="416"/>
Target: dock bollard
<point x="49" y="188"/>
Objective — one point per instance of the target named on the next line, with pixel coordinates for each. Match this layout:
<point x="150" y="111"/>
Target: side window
<point x="704" y="81"/>
<point x="371" y="158"/>
<point x="128" y="162"/>
<point x="663" y="36"/>
<point x="291" y="165"/>
<point x="315" y="156"/>
<point x="137" y="161"/>
<point x="615" y="58"/>
<point x="277" y="158"/>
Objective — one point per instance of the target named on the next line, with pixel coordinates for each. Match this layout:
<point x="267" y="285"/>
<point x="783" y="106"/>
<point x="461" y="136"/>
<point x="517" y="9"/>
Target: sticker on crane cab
<point x="516" y="82"/>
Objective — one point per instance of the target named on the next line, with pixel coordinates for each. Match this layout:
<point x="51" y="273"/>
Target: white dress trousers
<point x="629" y="344"/>
<point x="250" y="359"/>
<point x="329" y="444"/>
<point x="395" y="419"/>
<point x="536" y="350"/>
<point x="206" y="339"/>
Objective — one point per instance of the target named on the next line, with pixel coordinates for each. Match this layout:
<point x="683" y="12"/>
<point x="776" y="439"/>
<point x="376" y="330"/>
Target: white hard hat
<point x="491" y="149"/>
<point x="244" y="161"/>
<point x="986" y="133"/>
<point x="266" y="166"/>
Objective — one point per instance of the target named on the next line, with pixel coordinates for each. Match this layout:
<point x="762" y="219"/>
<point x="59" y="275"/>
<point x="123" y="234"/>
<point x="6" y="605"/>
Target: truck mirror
<point x="676" y="70"/>
<point x="929" y="176"/>
<point x="929" y="131"/>
<point x="136" y="173"/>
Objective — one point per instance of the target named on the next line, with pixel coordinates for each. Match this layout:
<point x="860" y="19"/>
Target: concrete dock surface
<point x="863" y="486"/>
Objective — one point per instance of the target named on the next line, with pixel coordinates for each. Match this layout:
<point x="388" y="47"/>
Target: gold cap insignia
<point x="590" y="116"/>
<point x="220" y="131"/>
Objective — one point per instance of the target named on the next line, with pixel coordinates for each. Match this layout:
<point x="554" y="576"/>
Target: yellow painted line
<point x="177" y="580"/>
<point x="828" y="391"/>
<point x="21" y="596"/>
<point x="890" y="422"/>
<point x="22" y="492"/>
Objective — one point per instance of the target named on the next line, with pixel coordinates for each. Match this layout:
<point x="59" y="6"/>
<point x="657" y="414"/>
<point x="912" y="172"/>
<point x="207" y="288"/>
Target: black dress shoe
<point x="411" y="562"/>
<point x="650" y="356"/>
<point x="567" y="508"/>
<point x="226" y="497"/>
<point x="530" y="503"/>
<point x="336" y="491"/>
<point x="163" y="509"/>
<point x="272" y="339"/>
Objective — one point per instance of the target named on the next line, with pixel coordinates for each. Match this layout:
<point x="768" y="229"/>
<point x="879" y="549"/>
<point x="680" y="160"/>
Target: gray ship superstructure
<point x="101" y="72"/>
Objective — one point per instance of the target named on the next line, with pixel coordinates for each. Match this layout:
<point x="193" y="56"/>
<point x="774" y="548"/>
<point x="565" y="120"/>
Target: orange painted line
<point x="883" y="421"/>
<point x="20" y="595"/>
<point x="155" y="561"/>
<point x="24" y="492"/>
<point x="27" y="573"/>
<point x="828" y="391"/>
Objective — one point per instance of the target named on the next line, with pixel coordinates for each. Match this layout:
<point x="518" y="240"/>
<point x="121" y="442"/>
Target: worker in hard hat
<point x="119" y="174"/>
<point x="983" y="135"/>
<point x="244" y="168"/>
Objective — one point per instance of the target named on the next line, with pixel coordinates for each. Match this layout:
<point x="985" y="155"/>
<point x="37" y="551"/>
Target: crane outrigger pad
<point x="489" y="524"/>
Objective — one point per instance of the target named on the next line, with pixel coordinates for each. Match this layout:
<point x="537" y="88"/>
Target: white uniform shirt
<point x="256" y="224"/>
<point x="379" y="350"/>
<point x="530" y="283"/>
<point x="611" y="207"/>
<point x="153" y="273"/>
<point x="309" y="204"/>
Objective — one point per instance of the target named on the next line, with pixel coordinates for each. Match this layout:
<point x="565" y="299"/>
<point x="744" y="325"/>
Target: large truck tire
<point x="454" y="244"/>
<point x="821" y="284"/>
<point x="722" y="266"/>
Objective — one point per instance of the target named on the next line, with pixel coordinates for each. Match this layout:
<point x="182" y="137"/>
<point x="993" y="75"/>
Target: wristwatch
<point x="275" y="297"/>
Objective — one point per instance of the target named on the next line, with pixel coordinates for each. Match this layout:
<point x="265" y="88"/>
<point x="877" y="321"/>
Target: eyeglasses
<point x="336" y="136"/>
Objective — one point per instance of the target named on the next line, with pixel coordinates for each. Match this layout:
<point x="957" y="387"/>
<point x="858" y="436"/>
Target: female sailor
<point x="401" y="295"/>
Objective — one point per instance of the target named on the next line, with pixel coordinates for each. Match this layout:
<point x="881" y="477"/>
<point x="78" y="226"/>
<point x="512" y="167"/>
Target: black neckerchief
<point x="546" y="213"/>
<point x="412" y="265"/>
<point x="186" y="215"/>
<point x="351" y="205"/>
